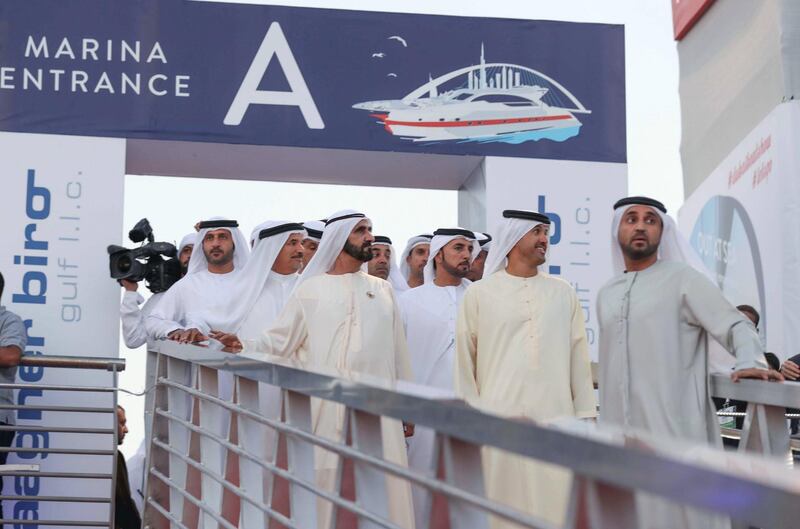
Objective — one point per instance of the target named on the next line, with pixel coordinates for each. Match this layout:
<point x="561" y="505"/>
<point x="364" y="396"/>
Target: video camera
<point x="155" y="262"/>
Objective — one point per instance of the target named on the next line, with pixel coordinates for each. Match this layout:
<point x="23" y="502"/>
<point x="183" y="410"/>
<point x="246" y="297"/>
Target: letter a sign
<point x="274" y="44"/>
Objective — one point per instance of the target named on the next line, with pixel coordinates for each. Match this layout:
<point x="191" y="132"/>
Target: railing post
<point x="765" y="431"/>
<point x="300" y="460"/>
<point x="252" y="438"/>
<point x="595" y="505"/>
<point x="212" y="455"/>
<point x="463" y="468"/>
<point x="179" y="404"/>
<point x="370" y="483"/>
<point x="155" y="490"/>
<point x="151" y="375"/>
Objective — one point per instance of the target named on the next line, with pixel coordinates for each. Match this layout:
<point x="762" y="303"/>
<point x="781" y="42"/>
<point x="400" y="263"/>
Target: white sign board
<point x="578" y="197"/>
<point x="62" y="205"/>
<point x="743" y="221"/>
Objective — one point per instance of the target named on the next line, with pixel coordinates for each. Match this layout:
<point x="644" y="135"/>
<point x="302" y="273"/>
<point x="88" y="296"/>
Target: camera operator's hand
<point x="187" y="336"/>
<point x="230" y="341"/>
<point x="130" y="286"/>
<point x="754" y="372"/>
<point x="790" y="370"/>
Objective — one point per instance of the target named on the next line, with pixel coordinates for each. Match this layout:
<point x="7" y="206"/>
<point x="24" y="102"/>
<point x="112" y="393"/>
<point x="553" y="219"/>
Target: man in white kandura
<point x="269" y="277"/>
<point x="207" y="288"/>
<point x="383" y="264"/>
<point x="655" y="317"/>
<point x="314" y="230"/>
<point x="340" y="317"/>
<point x="413" y="259"/>
<point x="429" y="315"/>
<point x="484" y="240"/>
<point x="521" y="351"/>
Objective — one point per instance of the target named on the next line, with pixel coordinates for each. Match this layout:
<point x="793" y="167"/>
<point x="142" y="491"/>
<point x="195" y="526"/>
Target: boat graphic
<point x="495" y="102"/>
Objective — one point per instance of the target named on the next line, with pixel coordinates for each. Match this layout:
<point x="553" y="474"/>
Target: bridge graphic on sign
<point x="494" y="102"/>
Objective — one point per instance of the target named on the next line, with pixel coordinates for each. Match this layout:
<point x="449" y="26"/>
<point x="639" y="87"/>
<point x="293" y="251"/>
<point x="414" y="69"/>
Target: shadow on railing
<point x="72" y="456"/>
<point x="233" y="445"/>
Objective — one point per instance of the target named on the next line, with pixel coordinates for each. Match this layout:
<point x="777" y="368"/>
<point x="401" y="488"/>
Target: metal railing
<point x="765" y="429"/>
<point x="82" y="460"/>
<point x="228" y="461"/>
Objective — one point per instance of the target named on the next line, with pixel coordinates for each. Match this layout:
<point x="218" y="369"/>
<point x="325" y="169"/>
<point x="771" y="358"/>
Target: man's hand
<point x="10" y="356"/>
<point x="187" y="336"/>
<point x="130" y="286"/>
<point x="754" y="372"/>
<point x="230" y="341"/>
<point x="408" y="429"/>
<point x="790" y="370"/>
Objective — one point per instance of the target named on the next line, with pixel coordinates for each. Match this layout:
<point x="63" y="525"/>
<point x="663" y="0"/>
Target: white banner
<point x="743" y="220"/>
<point x="578" y="197"/>
<point x="62" y="205"/>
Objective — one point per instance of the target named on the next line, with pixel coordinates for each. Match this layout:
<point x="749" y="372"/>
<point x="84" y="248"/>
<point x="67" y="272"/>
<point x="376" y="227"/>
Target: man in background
<point x="126" y="515"/>
<point x="484" y="240"/>
<point x="414" y="258"/>
<point x="383" y="264"/>
<point x="13" y="339"/>
<point x="314" y="230"/>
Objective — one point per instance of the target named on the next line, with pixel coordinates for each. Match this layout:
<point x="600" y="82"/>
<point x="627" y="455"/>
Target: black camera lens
<point x="124" y="264"/>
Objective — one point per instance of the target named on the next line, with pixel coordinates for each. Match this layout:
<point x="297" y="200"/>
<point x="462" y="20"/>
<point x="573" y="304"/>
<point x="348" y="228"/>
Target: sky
<point x="174" y="204"/>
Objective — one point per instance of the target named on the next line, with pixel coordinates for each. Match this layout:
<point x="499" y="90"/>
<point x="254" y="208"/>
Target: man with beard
<point x="340" y="317"/>
<point x="270" y="276"/>
<point x="521" y="351"/>
<point x="314" y="230"/>
<point x="655" y="320"/>
<point x="429" y="316"/>
<point x="383" y="265"/>
<point x="484" y="240"/>
<point x="205" y="292"/>
<point x="414" y="258"/>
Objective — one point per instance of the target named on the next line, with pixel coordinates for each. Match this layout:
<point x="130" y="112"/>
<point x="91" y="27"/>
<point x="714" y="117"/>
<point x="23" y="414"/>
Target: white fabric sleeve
<point x="465" y="372"/>
<point x="134" y="333"/>
<point x="402" y="360"/>
<point x="711" y="311"/>
<point x="583" y="398"/>
<point x="285" y="336"/>
<point x="161" y="321"/>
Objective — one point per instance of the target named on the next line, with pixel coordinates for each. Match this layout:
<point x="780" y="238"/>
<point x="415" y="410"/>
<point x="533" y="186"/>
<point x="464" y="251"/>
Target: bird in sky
<point x="399" y="39"/>
<point x="391" y="74"/>
<point x="378" y="55"/>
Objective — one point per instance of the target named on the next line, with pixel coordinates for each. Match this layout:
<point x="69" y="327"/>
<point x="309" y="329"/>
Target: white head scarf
<point x="198" y="262"/>
<point x="413" y="242"/>
<point x="484" y="240"/>
<point x="395" y="277"/>
<point x="189" y="238"/>
<point x="270" y="237"/>
<point x="314" y="229"/>
<point x="673" y="246"/>
<point x="441" y="238"/>
<point x="337" y="230"/>
<point x="515" y="224"/>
